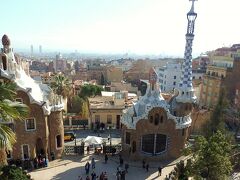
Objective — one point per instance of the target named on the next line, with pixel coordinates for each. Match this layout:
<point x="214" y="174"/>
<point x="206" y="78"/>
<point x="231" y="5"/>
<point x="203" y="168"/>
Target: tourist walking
<point x="93" y="163"/>
<point x="105" y="176"/>
<point x="87" y="167"/>
<point x="106" y="158"/>
<point x="118" y="174"/>
<point x="143" y="163"/>
<point x="88" y="149"/>
<point x="88" y="178"/>
<point x="159" y="170"/>
<point x="126" y="167"/>
<point x="101" y="176"/>
<point x="121" y="161"/>
<point x="147" y="167"/>
<point x="94" y="176"/>
<point x="123" y="173"/>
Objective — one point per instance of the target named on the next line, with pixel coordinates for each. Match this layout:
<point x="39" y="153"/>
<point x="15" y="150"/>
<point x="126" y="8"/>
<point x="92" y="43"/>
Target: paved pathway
<point x="70" y="167"/>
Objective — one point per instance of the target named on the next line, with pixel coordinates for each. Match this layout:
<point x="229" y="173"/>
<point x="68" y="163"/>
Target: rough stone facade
<point x="175" y="138"/>
<point x="42" y="131"/>
<point x="43" y="138"/>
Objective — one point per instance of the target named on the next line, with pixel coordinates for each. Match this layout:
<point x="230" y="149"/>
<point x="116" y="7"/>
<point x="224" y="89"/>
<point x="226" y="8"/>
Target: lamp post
<point x="75" y="139"/>
<point x="110" y="138"/>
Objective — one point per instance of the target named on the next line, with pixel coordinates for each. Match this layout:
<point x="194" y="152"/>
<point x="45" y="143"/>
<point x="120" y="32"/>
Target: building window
<point x="97" y="118"/>
<point x="148" y="143"/>
<point x="109" y="119"/>
<point x="4" y="62"/>
<point x="174" y="77"/>
<point x="9" y="154"/>
<point x="154" y="143"/>
<point x="175" y="113"/>
<point x="174" y="83"/>
<point x="161" y="119"/>
<point x="128" y="138"/>
<point x="183" y="132"/>
<point x="193" y="77"/>
<point x="19" y="100"/>
<point x="151" y="119"/>
<point x="25" y="151"/>
<point x="58" y="141"/>
<point x="156" y="119"/>
<point x="160" y="143"/>
<point x="30" y="124"/>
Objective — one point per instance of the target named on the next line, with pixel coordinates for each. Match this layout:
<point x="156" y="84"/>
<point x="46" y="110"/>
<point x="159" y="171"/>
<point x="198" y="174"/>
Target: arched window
<point x="156" y="120"/>
<point x="151" y="119"/>
<point x="175" y="113"/>
<point x="148" y="143"/>
<point x="154" y="143"/>
<point x="161" y="119"/>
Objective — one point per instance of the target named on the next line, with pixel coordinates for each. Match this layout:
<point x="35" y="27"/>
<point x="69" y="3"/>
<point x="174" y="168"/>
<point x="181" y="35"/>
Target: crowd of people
<point x="93" y="175"/>
<point x="121" y="171"/>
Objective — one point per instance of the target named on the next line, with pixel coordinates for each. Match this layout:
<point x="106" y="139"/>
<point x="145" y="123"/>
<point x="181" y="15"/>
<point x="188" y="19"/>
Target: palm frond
<point x="13" y="110"/>
<point x="7" y="137"/>
<point x="7" y="91"/>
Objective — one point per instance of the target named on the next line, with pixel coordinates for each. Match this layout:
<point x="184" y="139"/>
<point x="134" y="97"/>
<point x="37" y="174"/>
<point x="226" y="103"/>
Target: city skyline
<point x="127" y="26"/>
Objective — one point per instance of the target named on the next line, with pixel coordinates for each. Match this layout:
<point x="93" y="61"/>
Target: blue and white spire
<point x="186" y="92"/>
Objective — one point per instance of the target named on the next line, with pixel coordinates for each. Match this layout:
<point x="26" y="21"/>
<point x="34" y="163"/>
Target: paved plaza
<point x="70" y="167"/>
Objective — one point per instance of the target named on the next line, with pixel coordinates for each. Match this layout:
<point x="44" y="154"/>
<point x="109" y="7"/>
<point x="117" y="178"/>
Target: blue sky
<point x="119" y="26"/>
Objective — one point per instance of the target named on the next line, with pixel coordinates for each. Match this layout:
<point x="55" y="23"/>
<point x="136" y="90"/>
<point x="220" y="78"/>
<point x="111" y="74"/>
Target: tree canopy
<point x="211" y="157"/>
<point x="62" y="85"/>
<point x="90" y="90"/>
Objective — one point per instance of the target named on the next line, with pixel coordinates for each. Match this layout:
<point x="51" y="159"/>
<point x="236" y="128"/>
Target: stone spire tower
<point x="186" y="92"/>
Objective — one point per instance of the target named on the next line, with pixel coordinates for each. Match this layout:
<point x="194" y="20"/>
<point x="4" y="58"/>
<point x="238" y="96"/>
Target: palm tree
<point x="62" y="87"/>
<point x="9" y="110"/>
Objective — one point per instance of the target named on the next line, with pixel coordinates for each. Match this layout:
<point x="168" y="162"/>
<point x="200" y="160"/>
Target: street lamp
<point x="75" y="139"/>
<point x="110" y="138"/>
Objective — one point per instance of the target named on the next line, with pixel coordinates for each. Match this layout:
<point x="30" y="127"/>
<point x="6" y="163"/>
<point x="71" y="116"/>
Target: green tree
<point x="211" y="157"/>
<point x="9" y="110"/>
<point x="13" y="173"/>
<point x="90" y="90"/>
<point x="76" y="104"/>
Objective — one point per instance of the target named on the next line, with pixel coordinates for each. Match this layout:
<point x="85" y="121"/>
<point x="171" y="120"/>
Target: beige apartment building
<point x="213" y="82"/>
<point x="108" y="107"/>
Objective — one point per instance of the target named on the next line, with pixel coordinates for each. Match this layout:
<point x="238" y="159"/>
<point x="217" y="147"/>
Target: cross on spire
<point x="192" y="8"/>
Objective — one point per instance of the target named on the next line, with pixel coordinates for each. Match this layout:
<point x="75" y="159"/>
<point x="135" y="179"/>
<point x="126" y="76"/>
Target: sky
<point x="156" y="27"/>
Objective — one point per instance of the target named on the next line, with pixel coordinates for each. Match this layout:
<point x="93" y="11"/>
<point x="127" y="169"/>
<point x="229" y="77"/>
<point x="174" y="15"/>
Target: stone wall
<point x="176" y="138"/>
<point x="30" y="137"/>
<point x="55" y="125"/>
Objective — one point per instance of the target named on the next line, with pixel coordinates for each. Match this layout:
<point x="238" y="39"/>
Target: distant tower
<point x="31" y="50"/>
<point x="40" y="49"/>
<point x="186" y="92"/>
